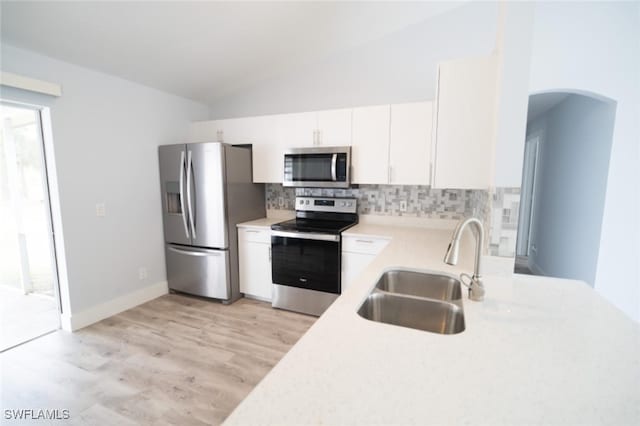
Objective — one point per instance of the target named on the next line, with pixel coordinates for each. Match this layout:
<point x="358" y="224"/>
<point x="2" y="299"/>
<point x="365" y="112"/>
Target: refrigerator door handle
<point x="189" y="201"/>
<point x="184" y="214"/>
<point x="195" y="253"/>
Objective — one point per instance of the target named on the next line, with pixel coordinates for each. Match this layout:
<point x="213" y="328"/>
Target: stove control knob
<point x="306" y="202"/>
<point x="343" y="204"/>
<point x="301" y="202"/>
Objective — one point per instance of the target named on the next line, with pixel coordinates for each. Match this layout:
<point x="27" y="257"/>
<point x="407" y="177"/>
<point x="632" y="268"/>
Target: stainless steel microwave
<point x="326" y="167"/>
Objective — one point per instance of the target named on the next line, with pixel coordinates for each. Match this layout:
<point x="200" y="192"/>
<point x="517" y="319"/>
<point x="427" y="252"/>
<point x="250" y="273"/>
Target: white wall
<point x="106" y="131"/>
<point x="571" y="183"/>
<point x="595" y="47"/>
<point x="400" y="67"/>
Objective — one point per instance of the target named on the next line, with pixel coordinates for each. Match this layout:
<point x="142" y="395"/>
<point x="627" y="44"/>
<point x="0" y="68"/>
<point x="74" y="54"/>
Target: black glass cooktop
<point x="313" y="225"/>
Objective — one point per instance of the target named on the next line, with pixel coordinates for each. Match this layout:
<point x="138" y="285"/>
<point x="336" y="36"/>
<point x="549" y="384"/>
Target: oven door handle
<point x="306" y="236"/>
<point x="334" y="166"/>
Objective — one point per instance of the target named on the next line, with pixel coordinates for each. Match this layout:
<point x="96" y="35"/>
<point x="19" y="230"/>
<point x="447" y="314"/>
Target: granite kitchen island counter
<point x="537" y="350"/>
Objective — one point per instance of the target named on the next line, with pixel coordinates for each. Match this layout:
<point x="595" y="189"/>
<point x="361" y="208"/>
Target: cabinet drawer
<point x="366" y="245"/>
<point x="255" y="235"/>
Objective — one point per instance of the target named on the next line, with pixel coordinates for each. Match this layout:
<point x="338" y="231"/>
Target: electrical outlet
<point x="101" y="209"/>
<point x="142" y="273"/>
<point x="280" y="202"/>
<point x="403" y="206"/>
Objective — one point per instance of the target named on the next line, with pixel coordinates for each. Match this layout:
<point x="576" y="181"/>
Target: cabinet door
<point x="297" y="130"/>
<point x="334" y="127"/>
<point x="231" y="130"/>
<point x="268" y="155"/>
<point x="410" y="143"/>
<point x="255" y="269"/>
<point x="465" y="123"/>
<point x="352" y="265"/>
<point x="370" y="145"/>
<point x="205" y="131"/>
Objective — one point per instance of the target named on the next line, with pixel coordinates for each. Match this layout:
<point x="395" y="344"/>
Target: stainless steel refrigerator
<point x="207" y="189"/>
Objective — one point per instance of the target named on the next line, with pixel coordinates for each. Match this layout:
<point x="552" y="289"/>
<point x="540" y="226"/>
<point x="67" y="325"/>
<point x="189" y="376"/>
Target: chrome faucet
<point x="476" y="288"/>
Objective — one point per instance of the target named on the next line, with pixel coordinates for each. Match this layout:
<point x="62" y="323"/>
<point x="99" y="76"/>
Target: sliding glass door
<point x="28" y="278"/>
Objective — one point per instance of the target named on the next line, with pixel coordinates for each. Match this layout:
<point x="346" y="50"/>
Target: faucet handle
<point x="475" y="286"/>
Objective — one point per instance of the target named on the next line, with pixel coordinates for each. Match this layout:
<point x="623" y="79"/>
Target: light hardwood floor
<point x="174" y="360"/>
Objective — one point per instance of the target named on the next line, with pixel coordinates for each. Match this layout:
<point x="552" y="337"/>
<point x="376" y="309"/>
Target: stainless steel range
<point x="306" y="253"/>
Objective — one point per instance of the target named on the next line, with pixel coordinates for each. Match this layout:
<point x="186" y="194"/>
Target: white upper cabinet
<point x="465" y="123"/>
<point x="334" y="127"/>
<point x="308" y="129"/>
<point x="370" y="145"/>
<point x="204" y="131"/>
<point x="410" y="143"/>
<point x="232" y="130"/>
<point x="268" y="151"/>
<point x="297" y="130"/>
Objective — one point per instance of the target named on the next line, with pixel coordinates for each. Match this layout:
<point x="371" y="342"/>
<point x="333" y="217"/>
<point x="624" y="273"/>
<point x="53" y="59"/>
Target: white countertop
<point x="537" y="350"/>
<point x="265" y="223"/>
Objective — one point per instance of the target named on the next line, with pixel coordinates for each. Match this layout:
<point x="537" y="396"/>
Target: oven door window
<point x="309" y="264"/>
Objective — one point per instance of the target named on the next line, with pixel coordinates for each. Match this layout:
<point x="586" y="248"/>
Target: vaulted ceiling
<point x="203" y="50"/>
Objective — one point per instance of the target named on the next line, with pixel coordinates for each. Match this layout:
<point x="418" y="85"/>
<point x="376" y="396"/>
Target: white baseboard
<point x="76" y="321"/>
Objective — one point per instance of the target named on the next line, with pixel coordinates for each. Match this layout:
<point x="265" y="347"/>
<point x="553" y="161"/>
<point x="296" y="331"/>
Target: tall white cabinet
<point x="465" y="123"/>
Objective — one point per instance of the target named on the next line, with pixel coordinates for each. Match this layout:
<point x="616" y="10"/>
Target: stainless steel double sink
<point x="420" y="300"/>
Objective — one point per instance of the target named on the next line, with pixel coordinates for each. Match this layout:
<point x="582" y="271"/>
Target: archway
<point x="566" y="164"/>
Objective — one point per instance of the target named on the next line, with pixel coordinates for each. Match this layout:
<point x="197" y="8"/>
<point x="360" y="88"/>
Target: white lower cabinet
<point x="357" y="254"/>
<point x="254" y="258"/>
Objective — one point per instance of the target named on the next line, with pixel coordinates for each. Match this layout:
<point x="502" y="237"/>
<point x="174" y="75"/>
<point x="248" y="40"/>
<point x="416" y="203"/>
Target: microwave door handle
<point x="189" y="200"/>
<point x="184" y="213"/>
<point x="334" y="165"/>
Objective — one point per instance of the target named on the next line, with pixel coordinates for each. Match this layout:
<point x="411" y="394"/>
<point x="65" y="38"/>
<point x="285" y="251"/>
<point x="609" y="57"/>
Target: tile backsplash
<point x="505" y="207"/>
<point x="387" y="200"/>
<point x="498" y="208"/>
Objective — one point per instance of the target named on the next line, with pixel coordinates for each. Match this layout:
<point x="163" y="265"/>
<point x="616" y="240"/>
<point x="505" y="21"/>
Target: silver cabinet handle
<point x="334" y="166"/>
<point x="189" y="171"/>
<point x="184" y="214"/>
<point x="364" y="241"/>
<point x="269" y="253"/>
<point x="195" y="253"/>
<point x="253" y="231"/>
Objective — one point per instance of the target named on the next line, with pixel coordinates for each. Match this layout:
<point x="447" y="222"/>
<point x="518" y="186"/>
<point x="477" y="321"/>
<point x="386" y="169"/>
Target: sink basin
<point x="421" y="284"/>
<point x="413" y="312"/>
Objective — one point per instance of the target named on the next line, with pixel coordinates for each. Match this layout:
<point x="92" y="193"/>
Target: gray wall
<point x="400" y="67"/>
<point x="106" y="132"/>
<point x="571" y="182"/>
<point x="593" y="47"/>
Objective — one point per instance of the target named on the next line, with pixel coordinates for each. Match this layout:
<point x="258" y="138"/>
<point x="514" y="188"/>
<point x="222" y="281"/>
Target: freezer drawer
<point x="198" y="271"/>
